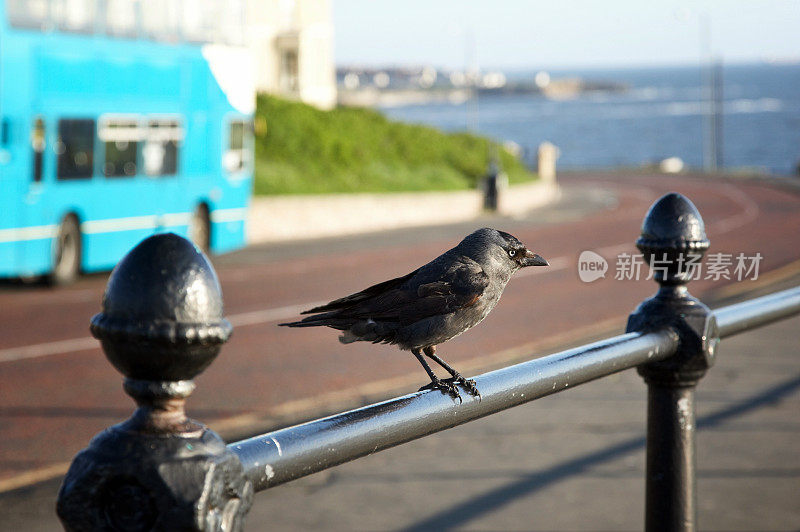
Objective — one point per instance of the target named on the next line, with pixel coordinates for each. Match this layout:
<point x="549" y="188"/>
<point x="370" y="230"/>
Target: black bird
<point x="432" y="304"/>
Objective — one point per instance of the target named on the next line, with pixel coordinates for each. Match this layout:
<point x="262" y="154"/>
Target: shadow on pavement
<point x="463" y="513"/>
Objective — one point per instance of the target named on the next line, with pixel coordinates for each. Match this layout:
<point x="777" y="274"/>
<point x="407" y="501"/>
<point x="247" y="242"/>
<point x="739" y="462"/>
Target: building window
<point x="75" y="148"/>
<point x="162" y="140"/>
<point x="289" y="71"/>
<point x="239" y="154"/>
<point x="120" y="137"/>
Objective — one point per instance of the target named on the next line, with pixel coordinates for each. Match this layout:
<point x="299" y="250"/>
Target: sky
<point x="518" y="34"/>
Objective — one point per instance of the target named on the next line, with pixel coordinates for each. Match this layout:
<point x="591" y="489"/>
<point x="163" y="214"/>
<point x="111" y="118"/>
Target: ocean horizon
<point x="662" y="114"/>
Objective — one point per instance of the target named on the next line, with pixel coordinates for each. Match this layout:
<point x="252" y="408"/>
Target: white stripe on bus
<point x="229" y="215"/>
<point x="119" y="224"/>
<point x="37" y="232"/>
<point x="110" y="225"/>
<point x="176" y="219"/>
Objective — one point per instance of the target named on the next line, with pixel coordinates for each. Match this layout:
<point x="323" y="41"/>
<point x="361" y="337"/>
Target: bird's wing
<point x="461" y="285"/>
<point x="377" y="313"/>
<point x="366" y="294"/>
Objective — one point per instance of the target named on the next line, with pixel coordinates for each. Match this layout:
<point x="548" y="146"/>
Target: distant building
<point x="292" y="45"/>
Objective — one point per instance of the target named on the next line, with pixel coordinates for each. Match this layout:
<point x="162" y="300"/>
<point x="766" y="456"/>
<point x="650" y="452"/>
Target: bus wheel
<point x="66" y="253"/>
<point x="200" y="229"/>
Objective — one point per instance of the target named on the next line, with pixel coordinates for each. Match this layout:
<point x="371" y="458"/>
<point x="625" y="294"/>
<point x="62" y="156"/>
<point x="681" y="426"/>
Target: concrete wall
<point x="280" y="218"/>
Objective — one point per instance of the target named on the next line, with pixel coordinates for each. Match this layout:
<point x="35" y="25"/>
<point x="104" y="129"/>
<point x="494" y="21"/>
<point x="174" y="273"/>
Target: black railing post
<point x="673" y="242"/>
<point x="161" y="325"/>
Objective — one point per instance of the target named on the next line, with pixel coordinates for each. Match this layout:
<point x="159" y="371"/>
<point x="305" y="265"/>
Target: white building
<point x="292" y="45"/>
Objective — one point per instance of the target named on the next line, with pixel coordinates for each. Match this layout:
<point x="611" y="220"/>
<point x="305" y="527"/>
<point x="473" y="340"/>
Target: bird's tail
<point x="320" y="320"/>
<point x="347" y="337"/>
<point x="354" y="330"/>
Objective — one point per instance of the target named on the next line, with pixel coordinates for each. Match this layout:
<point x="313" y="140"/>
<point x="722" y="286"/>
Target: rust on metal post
<point x="673" y="242"/>
<point x="162" y="410"/>
<point x="162" y="324"/>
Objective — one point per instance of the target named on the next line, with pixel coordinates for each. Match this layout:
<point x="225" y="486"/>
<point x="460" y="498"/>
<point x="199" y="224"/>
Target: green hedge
<point x="302" y="150"/>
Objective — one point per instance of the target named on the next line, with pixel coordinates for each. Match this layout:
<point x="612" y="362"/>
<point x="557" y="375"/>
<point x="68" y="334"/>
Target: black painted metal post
<point x="161" y="325"/>
<point x="491" y="187"/>
<point x="673" y="242"/>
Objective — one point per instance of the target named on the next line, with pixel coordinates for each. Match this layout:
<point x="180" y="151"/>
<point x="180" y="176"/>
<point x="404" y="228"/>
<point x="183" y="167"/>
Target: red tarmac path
<point x="57" y="390"/>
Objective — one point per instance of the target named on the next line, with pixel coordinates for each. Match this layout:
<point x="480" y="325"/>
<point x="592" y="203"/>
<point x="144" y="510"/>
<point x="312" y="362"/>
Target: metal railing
<point x="298" y="451"/>
<point x="160" y="470"/>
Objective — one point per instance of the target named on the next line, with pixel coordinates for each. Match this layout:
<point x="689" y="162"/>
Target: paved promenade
<point x="575" y="461"/>
<point x="572" y="461"/>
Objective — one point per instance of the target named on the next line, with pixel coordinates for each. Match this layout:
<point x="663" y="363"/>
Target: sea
<point x="662" y="114"/>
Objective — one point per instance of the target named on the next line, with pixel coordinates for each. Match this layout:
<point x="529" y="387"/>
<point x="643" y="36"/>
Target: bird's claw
<point x="467" y="384"/>
<point x="449" y="386"/>
<point x="446" y="386"/>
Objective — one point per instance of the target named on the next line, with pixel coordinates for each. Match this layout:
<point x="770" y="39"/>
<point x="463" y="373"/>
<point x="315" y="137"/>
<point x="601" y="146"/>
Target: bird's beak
<point x="532" y="259"/>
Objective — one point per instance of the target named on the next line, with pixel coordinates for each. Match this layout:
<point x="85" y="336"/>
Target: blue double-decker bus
<point x="119" y="119"/>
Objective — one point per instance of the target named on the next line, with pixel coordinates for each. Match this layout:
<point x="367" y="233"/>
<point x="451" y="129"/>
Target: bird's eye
<point x="512" y="252"/>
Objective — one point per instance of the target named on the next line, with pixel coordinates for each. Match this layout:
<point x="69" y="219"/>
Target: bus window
<point x="200" y="19"/>
<point x="161" y="19"/>
<point x="121" y="17"/>
<point x="38" y="145"/>
<point x="75" y="148"/>
<point x="27" y="13"/>
<point x="120" y="138"/>
<point x="237" y="157"/>
<point x="160" y="153"/>
<point x="5" y="131"/>
<point x="74" y="15"/>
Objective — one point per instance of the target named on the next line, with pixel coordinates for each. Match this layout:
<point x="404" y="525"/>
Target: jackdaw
<point x="432" y="304"/>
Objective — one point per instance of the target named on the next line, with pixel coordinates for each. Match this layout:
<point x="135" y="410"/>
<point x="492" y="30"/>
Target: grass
<point x="303" y="150"/>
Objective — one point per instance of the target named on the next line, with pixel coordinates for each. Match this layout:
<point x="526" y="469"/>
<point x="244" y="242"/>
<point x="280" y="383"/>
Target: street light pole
<point x="712" y="138"/>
